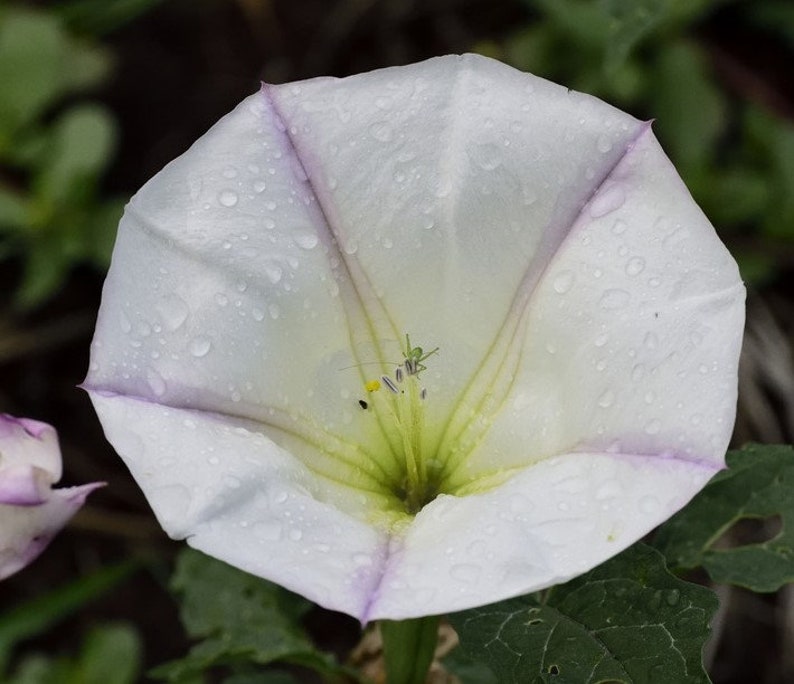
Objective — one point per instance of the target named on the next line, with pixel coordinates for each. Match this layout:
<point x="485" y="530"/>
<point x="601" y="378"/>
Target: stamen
<point x="410" y="366"/>
<point x="423" y="394"/>
<point x="398" y="374"/>
<point x="372" y="386"/>
<point x="389" y="383"/>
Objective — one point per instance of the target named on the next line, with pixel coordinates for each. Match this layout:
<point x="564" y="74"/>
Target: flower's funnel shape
<point x="31" y="512"/>
<point x="587" y="317"/>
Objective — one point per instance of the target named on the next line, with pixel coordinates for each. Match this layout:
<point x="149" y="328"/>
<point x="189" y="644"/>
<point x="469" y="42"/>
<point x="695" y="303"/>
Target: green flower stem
<point x="408" y="648"/>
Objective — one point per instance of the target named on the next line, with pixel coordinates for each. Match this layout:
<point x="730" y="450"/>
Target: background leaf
<point x="758" y="484"/>
<point x="629" y="620"/>
<point x="239" y="619"/>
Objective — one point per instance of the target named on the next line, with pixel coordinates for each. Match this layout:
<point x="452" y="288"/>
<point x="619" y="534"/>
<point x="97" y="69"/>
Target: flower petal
<point x="450" y="183"/>
<point x="631" y="340"/>
<point x="224" y="296"/>
<point x="28" y="442"/>
<point x="234" y="494"/>
<point x="553" y="521"/>
<point x="25" y="531"/>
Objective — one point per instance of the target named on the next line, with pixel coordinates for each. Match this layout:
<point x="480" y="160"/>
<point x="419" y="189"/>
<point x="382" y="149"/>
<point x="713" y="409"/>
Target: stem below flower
<point x="408" y="648"/>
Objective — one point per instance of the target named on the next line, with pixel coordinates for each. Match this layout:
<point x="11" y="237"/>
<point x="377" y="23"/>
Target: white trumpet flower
<point x="419" y="339"/>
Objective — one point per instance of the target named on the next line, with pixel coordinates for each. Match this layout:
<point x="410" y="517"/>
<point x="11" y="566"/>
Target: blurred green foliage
<point x="54" y="149"/>
<point x="110" y="654"/>
<point x="647" y="56"/>
<point x="108" y="649"/>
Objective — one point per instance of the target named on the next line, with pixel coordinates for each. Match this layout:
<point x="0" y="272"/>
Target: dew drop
<point x="653" y="427"/>
<point x="381" y="131"/>
<point x="173" y="310"/>
<point x="606" y="399"/>
<point x="465" y="572"/>
<point x="200" y="346"/>
<point x="603" y="144"/>
<point x="126" y="326"/>
<point x="295" y="534"/>
<point x="563" y="282"/>
<point x="156" y="382"/>
<point x="619" y="227"/>
<point x="635" y="266"/>
<point x="228" y="198"/>
<point x="614" y="299"/>
<point x="607" y="201"/>
<point x="307" y="240"/>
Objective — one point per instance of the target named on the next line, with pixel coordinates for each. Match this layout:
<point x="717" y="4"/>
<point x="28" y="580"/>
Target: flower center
<point x="400" y="399"/>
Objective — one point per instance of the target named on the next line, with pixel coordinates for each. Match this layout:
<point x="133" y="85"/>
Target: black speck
<point x="363" y="404"/>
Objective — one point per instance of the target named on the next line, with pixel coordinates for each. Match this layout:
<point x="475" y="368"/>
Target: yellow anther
<point x="372" y="386"/>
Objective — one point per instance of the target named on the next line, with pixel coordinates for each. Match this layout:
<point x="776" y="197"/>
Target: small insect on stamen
<point x="423" y="394"/>
<point x="363" y="404"/>
<point x="390" y="384"/>
<point x="398" y="374"/>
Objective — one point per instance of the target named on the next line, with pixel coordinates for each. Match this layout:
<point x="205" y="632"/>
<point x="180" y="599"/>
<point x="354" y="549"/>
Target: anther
<point x="410" y="366"/>
<point x="398" y="374"/>
<point x="423" y="394"/>
<point x="389" y="383"/>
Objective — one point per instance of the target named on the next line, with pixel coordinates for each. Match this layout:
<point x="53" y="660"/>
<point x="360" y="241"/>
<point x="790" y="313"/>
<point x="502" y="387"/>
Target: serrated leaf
<point x="758" y="484"/>
<point x="627" y="621"/>
<point x="239" y="618"/>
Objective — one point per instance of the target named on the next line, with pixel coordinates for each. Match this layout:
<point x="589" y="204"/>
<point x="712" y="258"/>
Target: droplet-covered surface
<point x="587" y="317"/>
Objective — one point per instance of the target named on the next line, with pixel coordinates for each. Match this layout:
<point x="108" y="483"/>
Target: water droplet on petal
<point x="635" y="266"/>
<point x="306" y="240"/>
<point x="603" y="144"/>
<point x="606" y="399"/>
<point x="607" y="201"/>
<point x="381" y="131"/>
<point x="465" y="572"/>
<point x="614" y="299"/>
<point x="653" y="427"/>
<point x="156" y="382"/>
<point x="563" y="282"/>
<point x="200" y="346"/>
<point x="228" y="198"/>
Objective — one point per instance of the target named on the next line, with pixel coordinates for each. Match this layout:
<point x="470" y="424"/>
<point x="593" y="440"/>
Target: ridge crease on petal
<point x="502" y="357"/>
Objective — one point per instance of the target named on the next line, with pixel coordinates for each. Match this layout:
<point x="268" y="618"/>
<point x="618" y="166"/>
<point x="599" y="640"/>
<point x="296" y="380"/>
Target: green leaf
<point x="111" y="655"/>
<point x="274" y="677"/>
<point x="13" y="210"/>
<point x="240" y="619"/>
<point x="629" y="22"/>
<point x="38" y="615"/>
<point x="627" y="621"/>
<point x="758" y="485"/>
<point x="40" y="62"/>
<point x="82" y="142"/>
<point x="408" y="648"/>
<point x="691" y="111"/>
<point x="99" y="17"/>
